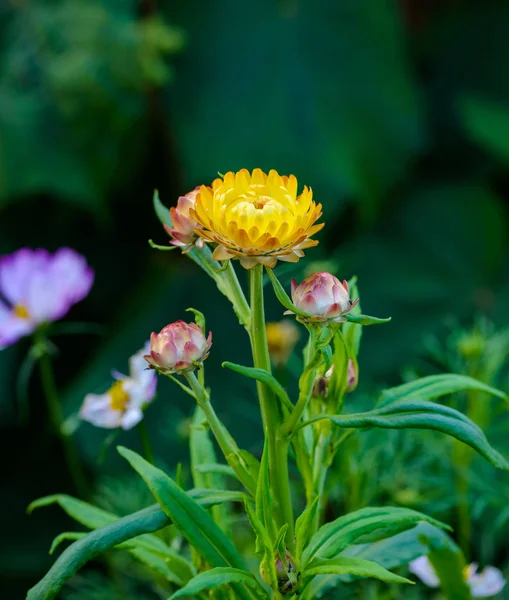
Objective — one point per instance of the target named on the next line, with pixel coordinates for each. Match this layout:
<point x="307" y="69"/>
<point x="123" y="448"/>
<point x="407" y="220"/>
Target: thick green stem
<point x="55" y="413"/>
<point x="278" y="445"/>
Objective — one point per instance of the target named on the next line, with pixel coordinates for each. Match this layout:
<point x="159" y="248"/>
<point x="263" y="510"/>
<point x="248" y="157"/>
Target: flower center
<point x="118" y="396"/>
<point x="260" y="201"/>
<point x="20" y="311"/>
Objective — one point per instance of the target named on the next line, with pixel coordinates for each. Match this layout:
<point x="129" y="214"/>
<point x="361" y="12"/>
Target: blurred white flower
<point x="122" y="405"/>
<point x="485" y="584"/>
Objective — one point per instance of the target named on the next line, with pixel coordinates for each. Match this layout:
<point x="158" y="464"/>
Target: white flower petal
<point x="132" y="417"/>
<point x="488" y="582"/>
<point x="424" y="570"/>
<point x="137" y="364"/>
<point x="96" y="409"/>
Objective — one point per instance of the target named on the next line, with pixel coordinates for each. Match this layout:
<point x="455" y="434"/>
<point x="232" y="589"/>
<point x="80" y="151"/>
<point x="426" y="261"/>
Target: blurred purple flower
<point x="38" y="287"/>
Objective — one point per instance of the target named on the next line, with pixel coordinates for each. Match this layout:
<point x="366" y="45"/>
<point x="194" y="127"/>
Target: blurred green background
<point x="395" y="113"/>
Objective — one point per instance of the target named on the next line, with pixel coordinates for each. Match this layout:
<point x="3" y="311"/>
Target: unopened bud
<point x="178" y="347"/>
<point x="286" y="571"/>
<point x="323" y="297"/>
<point x="321" y="385"/>
<point x="352" y="376"/>
<point x="183" y="230"/>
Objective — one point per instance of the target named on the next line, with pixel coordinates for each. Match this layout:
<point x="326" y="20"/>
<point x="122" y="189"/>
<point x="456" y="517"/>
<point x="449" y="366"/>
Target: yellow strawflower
<point x="257" y="218"/>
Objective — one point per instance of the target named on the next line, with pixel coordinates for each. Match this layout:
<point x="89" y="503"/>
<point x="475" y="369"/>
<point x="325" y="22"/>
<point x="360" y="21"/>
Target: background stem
<point x="145" y="442"/>
<point x="55" y="413"/>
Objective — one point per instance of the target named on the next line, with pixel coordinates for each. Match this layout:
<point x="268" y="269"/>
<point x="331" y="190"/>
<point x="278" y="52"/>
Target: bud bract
<point x="178" y="347"/>
<point x="183" y="231"/>
<point x="323" y="297"/>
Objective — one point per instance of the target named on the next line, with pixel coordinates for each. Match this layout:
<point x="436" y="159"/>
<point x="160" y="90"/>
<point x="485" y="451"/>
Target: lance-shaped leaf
<point x="192" y="520"/>
<point x="264" y="494"/>
<point x="218" y="577"/>
<point x="208" y="498"/>
<point x="282" y="296"/>
<point x="351" y="566"/>
<point x="365" y="319"/>
<point x="377" y="523"/>
<point x="303" y="527"/>
<point x="169" y="567"/>
<point x="436" y="386"/>
<point x="94" y="518"/>
<point x="397" y="551"/>
<point x="266" y="378"/>
<point x="73" y="558"/>
<point x="263" y="541"/>
<point x="421" y="415"/>
<point x="162" y="213"/>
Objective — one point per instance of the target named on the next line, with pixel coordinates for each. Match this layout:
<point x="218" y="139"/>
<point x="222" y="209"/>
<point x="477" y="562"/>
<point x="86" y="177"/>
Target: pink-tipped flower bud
<point x="178" y="347"/>
<point x="352" y="376"/>
<point x="183" y="231"/>
<point x="323" y="297"/>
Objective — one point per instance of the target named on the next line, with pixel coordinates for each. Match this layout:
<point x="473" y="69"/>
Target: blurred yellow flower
<point x="281" y="340"/>
<point x="257" y="218"/>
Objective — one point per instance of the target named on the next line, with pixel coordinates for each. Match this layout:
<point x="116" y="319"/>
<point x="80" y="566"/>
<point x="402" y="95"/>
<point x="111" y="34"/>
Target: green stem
<point x="227" y="444"/>
<point x="236" y="295"/>
<point x="50" y="392"/>
<point x="278" y="445"/>
<point x="145" y="442"/>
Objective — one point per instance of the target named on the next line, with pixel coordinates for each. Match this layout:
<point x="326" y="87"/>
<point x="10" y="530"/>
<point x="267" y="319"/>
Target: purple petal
<point x="16" y="271"/>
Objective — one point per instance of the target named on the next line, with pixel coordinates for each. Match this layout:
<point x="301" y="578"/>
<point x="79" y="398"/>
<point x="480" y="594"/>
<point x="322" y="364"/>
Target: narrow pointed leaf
<point x="264" y="377"/>
<point x="422" y="415"/>
<point x="162" y="213"/>
<point x="282" y="296"/>
<point x="216" y="468"/>
<point x="303" y="526"/>
<point x="264" y="494"/>
<point x="208" y="498"/>
<point x="351" y="566"/>
<point x="78" y="554"/>
<point x="436" y="386"/>
<point x="351" y="317"/>
<point x="377" y="523"/>
<point x="218" y="577"/>
<point x="263" y="541"/>
<point x="191" y="519"/>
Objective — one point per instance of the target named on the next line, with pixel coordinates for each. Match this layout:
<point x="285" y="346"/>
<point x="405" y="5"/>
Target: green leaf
<point x="199" y="317"/>
<point x="379" y="523"/>
<point x="352" y="334"/>
<point x="208" y="498"/>
<point x="191" y="519"/>
<point x="351" y="317"/>
<point x="162" y="213"/>
<point x="304" y="527"/>
<point x="88" y="515"/>
<point x="421" y="415"/>
<point x="263" y="541"/>
<point x="264" y="377"/>
<point x="436" y="386"/>
<point x="280" y="543"/>
<point x="173" y="568"/>
<point x="351" y="566"/>
<point x="282" y="296"/>
<point x="216" y="468"/>
<point x="487" y="122"/>
<point x="95" y="543"/>
<point x="264" y="494"/>
<point x="217" y="577"/>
